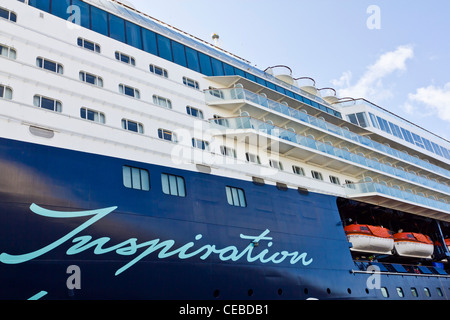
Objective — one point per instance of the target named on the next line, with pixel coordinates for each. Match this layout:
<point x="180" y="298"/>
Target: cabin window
<point x="276" y="164"/>
<point x="162" y="102"/>
<point x="228" y="152"/>
<point x="159" y="71"/>
<point x="47" y="103"/>
<point x="89" y="45"/>
<point x="129" y="91"/>
<point x="173" y="185"/>
<point x="253" y="158"/>
<point x="194" y="112"/>
<point x="427" y="292"/>
<point x="385" y="292"/>
<point x="8" y="15"/>
<point x="6" y="92"/>
<point x="91" y="79"/>
<point x="317" y="175"/>
<point x="167" y="135"/>
<point x="191" y="83"/>
<point x="400" y="292"/>
<point x="200" y="144"/>
<point x="8" y="52"/>
<point x="132" y="126"/>
<point x="236" y="197"/>
<point x="335" y="180"/>
<point x="298" y="170"/>
<point x="49" y="65"/>
<point x="414" y="292"/>
<point x="439" y="292"/>
<point x="125" y="58"/>
<point x="135" y="178"/>
<point x="92" y="115"/>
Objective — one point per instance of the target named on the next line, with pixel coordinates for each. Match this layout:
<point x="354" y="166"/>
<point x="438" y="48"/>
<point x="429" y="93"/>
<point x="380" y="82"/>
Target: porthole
<point x="216" y="293"/>
<point x="280" y="292"/>
<point x="250" y="292"/>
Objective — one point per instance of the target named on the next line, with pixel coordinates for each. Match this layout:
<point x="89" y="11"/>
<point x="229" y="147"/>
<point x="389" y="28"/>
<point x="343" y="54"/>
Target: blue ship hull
<point x="61" y="208"/>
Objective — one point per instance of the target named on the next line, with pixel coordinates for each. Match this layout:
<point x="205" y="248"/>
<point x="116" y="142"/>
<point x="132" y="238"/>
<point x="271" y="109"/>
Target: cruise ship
<point x="140" y="162"/>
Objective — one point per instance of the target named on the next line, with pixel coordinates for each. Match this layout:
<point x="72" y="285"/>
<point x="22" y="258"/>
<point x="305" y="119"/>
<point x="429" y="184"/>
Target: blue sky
<point x="403" y="66"/>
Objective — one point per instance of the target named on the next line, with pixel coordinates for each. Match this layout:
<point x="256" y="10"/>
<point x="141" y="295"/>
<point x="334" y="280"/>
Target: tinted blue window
<point x="217" y="67"/>
<point x="427" y="144"/>
<point x="395" y="130"/>
<point x="164" y="48"/>
<point x="133" y="35"/>
<point x="289" y="93"/>
<point x="239" y="72"/>
<point x="59" y="8"/>
<point x="384" y="125"/>
<point x="205" y="64"/>
<point x="261" y="81"/>
<point x="229" y="70"/>
<point x="179" y="55"/>
<point x="407" y="135"/>
<point x="417" y="140"/>
<point x="116" y="28"/>
<point x="84" y="11"/>
<point x="280" y="89"/>
<point x="445" y="152"/>
<point x="41" y="4"/>
<point x="149" y="41"/>
<point x="192" y="59"/>
<point x="270" y="85"/>
<point x="250" y="77"/>
<point x="99" y="21"/>
<point x="436" y="148"/>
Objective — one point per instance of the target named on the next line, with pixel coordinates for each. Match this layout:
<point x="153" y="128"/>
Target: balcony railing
<point x="272" y="130"/>
<point x="372" y="187"/>
<point x="213" y="96"/>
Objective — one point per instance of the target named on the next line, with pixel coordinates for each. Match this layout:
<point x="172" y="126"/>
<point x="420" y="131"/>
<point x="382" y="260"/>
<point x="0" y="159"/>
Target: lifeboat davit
<point x="409" y="244"/>
<point x="370" y="239"/>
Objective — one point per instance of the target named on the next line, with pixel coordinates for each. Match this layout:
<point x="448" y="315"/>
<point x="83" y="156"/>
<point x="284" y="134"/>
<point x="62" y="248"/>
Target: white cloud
<point x="435" y="99"/>
<point x="370" y="86"/>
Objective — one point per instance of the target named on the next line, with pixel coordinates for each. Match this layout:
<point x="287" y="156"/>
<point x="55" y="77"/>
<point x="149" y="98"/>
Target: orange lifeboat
<point x="410" y="244"/>
<point x="370" y="239"/>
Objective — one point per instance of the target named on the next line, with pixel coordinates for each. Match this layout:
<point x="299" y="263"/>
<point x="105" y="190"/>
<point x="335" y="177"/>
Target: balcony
<point x="382" y="195"/>
<point x="289" y="143"/>
<point x="233" y="99"/>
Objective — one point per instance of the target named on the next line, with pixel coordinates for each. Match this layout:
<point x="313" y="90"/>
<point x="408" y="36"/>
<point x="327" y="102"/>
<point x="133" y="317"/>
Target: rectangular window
<point x="164" y="47"/>
<point x="132" y="126"/>
<point x="59" y="8"/>
<point x="192" y="59"/>
<point x="179" y="55"/>
<point x="194" y="112"/>
<point x="6" y="92"/>
<point x="116" y="27"/>
<point x="217" y="67"/>
<point x="173" y="185"/>
<point x="49" y="65"/>
<point x="205" y="64"/>
<point x="395" y="130"/>
<point x="89" y="45"/>
<point x="92" y="115"/>
<point x="163" y="102"/>
<point x="149" y="41"/>
<point x="407" y="135"/>
<point x="191" y="83"/>
<point x="436" y="148"/>
<point x="384" y="125"/>
<point x="47" y="103"/>
<point x="316" y="175"/>
<point x="134" y="37"/>
<point x="91" y="79"/>
<point x="99" y="21"/>
<point x="159" y="71"/>
<point x="236" y="197"/>
<point x="427" y="144"/>
<point x="417" y="140"/>
<point x="167" y="135"/>
<point x="200" y="144"/>
<point x="135" y="178"/>
<point x="84" y="19"/>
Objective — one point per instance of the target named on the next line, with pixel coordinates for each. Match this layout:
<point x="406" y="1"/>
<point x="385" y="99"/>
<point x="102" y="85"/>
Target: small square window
<point x="236" y="197"/>
<point x="135" y="178"/>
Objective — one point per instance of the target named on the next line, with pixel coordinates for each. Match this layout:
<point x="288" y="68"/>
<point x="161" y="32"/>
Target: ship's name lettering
<point x="166" y="248"/>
